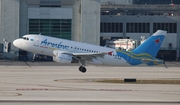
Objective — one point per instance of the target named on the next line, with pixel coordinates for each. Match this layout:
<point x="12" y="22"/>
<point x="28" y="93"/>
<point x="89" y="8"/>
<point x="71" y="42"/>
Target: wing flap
<point x="89" y="56"/>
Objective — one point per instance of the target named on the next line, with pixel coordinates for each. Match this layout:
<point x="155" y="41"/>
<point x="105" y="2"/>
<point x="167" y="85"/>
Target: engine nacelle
<point x="62" y="58"/>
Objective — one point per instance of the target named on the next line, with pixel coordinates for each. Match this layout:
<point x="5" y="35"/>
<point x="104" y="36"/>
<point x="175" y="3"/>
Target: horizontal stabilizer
<point x="151" y="60"/>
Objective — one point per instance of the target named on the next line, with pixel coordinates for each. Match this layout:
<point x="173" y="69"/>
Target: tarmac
<point x="49" y="83"/>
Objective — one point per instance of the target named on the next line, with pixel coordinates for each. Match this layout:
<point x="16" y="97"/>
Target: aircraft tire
<point x="82" y="69"/>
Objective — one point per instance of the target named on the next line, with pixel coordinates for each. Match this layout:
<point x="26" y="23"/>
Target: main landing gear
<point x="82" y="68"/>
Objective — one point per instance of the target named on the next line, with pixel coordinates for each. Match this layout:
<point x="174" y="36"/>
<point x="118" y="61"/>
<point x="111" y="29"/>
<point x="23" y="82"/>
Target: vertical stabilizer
<point x="152" y="44"/>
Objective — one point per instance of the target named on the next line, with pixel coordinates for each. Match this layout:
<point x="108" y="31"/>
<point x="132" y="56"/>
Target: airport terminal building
<point x="92" y="21"/>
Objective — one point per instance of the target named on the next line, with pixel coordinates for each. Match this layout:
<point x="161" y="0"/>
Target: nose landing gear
<point x="34" y="55"/>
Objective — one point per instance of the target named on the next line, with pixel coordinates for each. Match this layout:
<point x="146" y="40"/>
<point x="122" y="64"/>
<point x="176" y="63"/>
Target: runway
<point x="47" y="83"/>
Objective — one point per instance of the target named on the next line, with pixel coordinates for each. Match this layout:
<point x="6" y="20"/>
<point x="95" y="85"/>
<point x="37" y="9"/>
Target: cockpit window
<point x="25" y="38"/>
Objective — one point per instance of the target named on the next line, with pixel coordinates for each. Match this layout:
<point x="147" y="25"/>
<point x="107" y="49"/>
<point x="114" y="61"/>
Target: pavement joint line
<point x="91" y="101"/>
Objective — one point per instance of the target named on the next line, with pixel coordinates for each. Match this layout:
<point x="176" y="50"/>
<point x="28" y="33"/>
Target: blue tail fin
<point x="152" y="44"/>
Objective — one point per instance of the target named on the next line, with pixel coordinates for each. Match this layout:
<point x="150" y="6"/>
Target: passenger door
<point x="36" y="41"/>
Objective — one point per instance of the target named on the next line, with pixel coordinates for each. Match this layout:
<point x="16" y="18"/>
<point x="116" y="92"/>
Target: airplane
<point x="66" y="51"/>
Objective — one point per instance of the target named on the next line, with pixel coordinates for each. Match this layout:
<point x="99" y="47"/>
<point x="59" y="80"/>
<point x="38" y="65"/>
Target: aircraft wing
<point x="89" y="56"/>
<point x="86" y="56"/>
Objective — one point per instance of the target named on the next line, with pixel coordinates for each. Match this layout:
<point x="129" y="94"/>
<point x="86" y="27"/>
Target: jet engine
<point x="62" y="58"/>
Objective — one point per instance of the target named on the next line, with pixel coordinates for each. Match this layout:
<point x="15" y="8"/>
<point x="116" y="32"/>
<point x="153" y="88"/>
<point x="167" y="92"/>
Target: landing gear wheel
<point x="82" y="69"/>
<point x="34" y="55"/>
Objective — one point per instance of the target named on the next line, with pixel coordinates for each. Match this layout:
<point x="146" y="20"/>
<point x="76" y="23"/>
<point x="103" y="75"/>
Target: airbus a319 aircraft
<point x="66" y="51"/>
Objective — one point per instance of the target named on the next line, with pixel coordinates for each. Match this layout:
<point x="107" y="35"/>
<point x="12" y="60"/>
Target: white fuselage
<point x="45" y="45"/>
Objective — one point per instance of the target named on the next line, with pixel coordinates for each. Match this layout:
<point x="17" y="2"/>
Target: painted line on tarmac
<point x="115" y="90"/>
<point x="10" y="94"/>
<point x="92" y="101"/>
<point x="31" y="89"/>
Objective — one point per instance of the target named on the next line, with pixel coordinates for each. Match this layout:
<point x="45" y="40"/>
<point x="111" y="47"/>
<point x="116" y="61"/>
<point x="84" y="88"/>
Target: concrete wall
<point x="77" y="24"/>
<point x="90" y="10"/>
<point x="23" y="18"/>
<point x="170" y="38"/>
<point x="9" y="20"/>
<point x="49" y="13"/>
<point x="86" y="21"/>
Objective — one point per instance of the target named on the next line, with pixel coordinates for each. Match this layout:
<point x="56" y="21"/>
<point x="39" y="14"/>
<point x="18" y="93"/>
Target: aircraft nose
<point x="15" y="43"/>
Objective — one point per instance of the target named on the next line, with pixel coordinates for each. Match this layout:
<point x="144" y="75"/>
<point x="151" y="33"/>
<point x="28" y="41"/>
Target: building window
<point x="156" y="1"/>
<point x="60" y="28"/>
<point x="169" y="27"/>
<point x="111" y="27"/>
<point x="50" y="3"/>
<point x="138" y="27"/>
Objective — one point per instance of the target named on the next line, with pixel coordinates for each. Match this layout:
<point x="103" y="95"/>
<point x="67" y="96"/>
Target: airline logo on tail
<point x="157" y="41"/>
